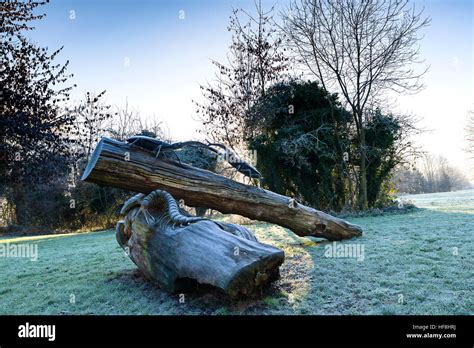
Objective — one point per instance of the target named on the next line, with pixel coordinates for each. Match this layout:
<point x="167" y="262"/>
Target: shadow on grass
<point x="200" y="300"/>
<point x="409" y="255"/>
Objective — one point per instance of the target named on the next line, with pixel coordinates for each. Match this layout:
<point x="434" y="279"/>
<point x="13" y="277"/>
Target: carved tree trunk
<point x="129" y="167"/>
<point x="175" y="249"/>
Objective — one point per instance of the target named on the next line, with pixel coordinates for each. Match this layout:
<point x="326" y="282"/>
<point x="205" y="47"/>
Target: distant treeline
<point x="432" y="174"/>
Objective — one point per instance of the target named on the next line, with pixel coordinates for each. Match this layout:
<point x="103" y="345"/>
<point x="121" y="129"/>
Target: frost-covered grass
<point x="416" y="263"/>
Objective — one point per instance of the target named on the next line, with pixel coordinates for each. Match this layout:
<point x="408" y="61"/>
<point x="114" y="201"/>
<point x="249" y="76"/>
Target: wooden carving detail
<point x="175" y="249"/>
<point x="133" y="168"/>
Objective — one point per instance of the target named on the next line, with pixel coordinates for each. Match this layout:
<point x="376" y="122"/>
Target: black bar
<point x="225" y="330"/>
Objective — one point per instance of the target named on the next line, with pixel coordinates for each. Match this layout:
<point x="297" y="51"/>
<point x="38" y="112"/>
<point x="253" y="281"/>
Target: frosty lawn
<point x="416" y="263"/>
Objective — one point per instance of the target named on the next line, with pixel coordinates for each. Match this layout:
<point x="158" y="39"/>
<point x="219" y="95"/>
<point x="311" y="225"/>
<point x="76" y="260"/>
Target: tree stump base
<point x="175" y="249"/>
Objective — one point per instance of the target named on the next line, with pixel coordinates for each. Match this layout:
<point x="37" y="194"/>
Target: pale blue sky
<point x="143" y="51"/>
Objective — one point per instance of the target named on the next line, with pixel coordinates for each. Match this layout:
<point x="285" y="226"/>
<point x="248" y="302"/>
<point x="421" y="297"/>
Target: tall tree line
<point x="362" y="50"/>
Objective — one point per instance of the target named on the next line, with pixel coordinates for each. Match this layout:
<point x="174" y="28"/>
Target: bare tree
<point x="431" y="167"/>
<point x="124" y="123"/>
<point x="440" y="176"/>
<point x="255" y="61"/>
<point x="90" y="115"/>
<point x="362" y="49"/>
<point x="127" y="121"/>
<point x="470" y="133"/>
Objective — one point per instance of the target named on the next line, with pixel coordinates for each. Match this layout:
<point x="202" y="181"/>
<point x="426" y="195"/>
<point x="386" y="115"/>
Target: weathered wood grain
<point x="129" y="167"/>
<point x="175" y="250"/>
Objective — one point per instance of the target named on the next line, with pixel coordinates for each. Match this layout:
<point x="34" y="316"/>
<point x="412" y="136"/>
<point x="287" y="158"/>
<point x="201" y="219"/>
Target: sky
<point x="155" y="54"/>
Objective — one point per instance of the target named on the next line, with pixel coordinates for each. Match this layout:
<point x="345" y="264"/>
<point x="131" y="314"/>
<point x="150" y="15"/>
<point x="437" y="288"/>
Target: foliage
<point x="36" y="136"/>
<point x="45" y="144"/>
<point x="255" y="61"/>
<point x="307" y="148"/>
<point x="298" y="148"/>
<point x="16" y="15"/>
<point x="362" y="50"/>
<point x="382" y="133"/>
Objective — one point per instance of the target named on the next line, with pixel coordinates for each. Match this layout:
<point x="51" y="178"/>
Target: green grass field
<point x="415" y="263"/>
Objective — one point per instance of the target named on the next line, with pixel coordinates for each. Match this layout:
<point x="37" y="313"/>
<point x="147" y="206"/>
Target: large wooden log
<point x="129" y="167"/>
<point x="177" y="250"/>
